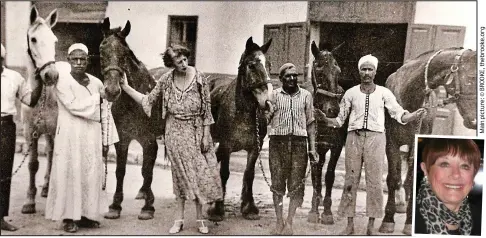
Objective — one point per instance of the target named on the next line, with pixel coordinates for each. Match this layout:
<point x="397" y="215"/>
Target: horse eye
<point x="34" y="40"/>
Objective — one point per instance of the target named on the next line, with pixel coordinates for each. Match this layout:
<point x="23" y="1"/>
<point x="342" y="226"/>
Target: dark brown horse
<point x="42" y="119"/>
<point x="453" y="68"/>
<point x="327" y="95"/>
<point x="239" y="123"/>
<point x="131" y="121"/>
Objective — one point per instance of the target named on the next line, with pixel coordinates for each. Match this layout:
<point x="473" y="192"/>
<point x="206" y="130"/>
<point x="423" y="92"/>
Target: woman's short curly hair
<point x="173" y="51"/>
<point x="466" y="149"/>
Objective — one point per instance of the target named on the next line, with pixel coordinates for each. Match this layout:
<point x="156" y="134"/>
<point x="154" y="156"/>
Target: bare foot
<point x="348" y="231"/>
<point x="288" y="231"/>
<point x="278" y="229"/>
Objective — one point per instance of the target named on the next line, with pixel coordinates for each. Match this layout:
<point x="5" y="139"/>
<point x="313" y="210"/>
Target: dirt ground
<point x="128" y="224"/>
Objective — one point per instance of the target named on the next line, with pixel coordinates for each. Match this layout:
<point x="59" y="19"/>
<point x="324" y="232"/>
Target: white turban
<point x="77" y="46"/>
<point x="368" y="59"/>
<point x="3" y="51"/>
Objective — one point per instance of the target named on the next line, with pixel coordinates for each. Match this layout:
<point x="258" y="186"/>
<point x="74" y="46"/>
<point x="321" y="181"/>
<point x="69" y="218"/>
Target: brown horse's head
<point x="325" y="75"/>
<point x="467" y="93"/>
<point x="41" y="46"/>
<point x="114" y="55"/>
<point x="252" y="72"/>
<point x="455" y="69"/>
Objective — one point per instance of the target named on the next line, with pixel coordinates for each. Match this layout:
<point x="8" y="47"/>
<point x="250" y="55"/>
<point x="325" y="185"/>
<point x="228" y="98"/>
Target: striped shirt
<point x="367" y="111"/>
<point x="292" y="113"/>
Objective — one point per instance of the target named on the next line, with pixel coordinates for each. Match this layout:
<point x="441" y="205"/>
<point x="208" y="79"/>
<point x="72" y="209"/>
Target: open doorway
<point x="385" y="41"/>
<point x="87" y="33"/>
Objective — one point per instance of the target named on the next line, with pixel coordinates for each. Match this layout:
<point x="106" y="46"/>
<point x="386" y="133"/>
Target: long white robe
<point x="77" y="171"/>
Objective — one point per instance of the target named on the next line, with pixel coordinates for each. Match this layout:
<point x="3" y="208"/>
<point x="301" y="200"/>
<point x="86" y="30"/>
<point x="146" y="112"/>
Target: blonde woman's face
<point x="451" y="179"/>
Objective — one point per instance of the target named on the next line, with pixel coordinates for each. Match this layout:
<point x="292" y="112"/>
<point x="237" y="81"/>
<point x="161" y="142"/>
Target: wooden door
<point x="422" y="38"/>
<point x="289" y="44"/>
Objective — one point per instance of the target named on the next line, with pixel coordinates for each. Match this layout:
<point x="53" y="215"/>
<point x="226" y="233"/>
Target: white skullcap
<point x="77" y="46"/>
<point x="3" y="51"/>
<point x="368" y="59"/>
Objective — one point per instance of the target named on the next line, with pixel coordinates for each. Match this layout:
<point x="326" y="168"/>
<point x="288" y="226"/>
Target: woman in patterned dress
<point x="187" y="114"/>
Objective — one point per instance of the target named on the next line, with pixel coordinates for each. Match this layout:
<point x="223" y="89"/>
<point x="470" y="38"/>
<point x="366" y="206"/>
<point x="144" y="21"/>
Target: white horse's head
<point x="41" y="46"/>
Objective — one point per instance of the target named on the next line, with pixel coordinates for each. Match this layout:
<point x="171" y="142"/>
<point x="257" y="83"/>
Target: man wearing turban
<point x="75" y="193"/>
<point x="365" y="105"/>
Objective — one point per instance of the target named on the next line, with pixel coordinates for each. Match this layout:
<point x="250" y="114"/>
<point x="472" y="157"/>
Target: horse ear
<point x="249" y="42"/>
<point x="105" y="27"/>
<point x="337" y="47"/>
<point x="126" y="29"/>
<point x="33" y="14"/>
<point x="52" y="18"/>
<point x="314" y="49"/>
<point x="265" y="47"/>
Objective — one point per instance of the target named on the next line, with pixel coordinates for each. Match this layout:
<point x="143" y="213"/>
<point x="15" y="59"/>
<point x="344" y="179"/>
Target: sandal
<point x="177" y="227"/>
<point x="203" y="229"/>
<point x="70" y="226"/>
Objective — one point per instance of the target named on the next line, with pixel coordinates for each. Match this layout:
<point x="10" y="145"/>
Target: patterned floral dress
<point x="195" y="175"/>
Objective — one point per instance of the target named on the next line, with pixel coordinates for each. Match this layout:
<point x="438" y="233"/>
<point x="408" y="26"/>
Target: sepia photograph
<point x="449" y="185"/>
<point x="234" y="117"/>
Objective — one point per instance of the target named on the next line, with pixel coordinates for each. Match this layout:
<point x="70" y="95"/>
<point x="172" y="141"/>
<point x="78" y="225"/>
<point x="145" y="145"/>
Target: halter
<point x="113" y="67"/>
<point x="319" y="88"/>
<point x="453" y="76"/>
<point x="37" y="70"/>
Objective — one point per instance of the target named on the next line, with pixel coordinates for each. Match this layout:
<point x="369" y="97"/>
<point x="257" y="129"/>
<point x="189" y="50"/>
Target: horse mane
<point x="433" y="51"/>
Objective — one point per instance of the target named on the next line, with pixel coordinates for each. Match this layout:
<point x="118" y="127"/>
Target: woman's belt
<point x="186" y="117"/>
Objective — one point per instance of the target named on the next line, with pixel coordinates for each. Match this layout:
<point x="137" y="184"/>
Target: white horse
<point x="42" y="119"/>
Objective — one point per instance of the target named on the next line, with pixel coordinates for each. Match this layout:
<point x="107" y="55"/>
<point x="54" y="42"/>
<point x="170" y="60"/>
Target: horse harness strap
<point x="113" y="67"/>
<point x="318" y="88"/>
<point x="452" y="75"/>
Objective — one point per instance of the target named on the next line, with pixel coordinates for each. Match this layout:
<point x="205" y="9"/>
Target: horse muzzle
<point x="470" y="124"/>
<point x="49" y="75"/>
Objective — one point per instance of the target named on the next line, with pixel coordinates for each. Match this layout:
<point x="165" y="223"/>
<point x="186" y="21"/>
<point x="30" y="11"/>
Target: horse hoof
<point x="251" y="216"/>
<point x="313" y="217"/>
<point x="215" y="218"/>
<point x="401" y="208"/>
<point x="146" y="215"/>
<point x="44" y="192"/>
<point x="112" y="214"/>
<point x="28" y="209"/>
<point x="387" y="227"/>
<point x="327" y="219"/>
<point x="140" y="196"/>
<point x="407" y="229"/>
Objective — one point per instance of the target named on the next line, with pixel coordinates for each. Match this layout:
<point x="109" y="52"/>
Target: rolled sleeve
<point x="394" y="109"/>
<point x="25" y="91"/>
<point x="344" y="109"/>
<point x="309" y="109"/>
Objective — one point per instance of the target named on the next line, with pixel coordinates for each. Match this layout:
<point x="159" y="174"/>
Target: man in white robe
<point x="75" y="192"/>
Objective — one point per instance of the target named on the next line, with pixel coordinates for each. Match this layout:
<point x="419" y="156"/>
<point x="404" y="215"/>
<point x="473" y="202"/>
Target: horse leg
<point x="407" y="229"/>
<point x="149" y="156"/>
<point x="121" y="165"/>
<point x="29" y="206"/>
<point x="327" y="217"/>
<point x="216" y="212"/>
<point x="316" y="173"/>
<point x="49" y="153"/>
<point x="248" y="208"/>
<point x="393" y="156"/>
<point x="400" y="194"/>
